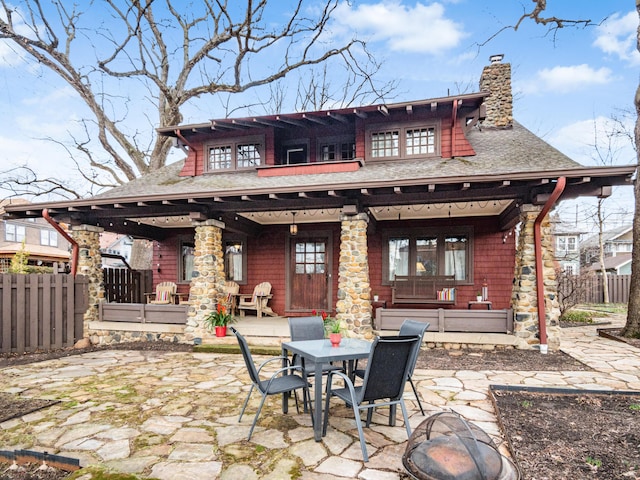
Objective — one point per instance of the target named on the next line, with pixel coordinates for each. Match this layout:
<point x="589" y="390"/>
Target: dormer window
<point x="407" y="141"/>
<point x="236" y="154"/>
<point x="340" y="148"/>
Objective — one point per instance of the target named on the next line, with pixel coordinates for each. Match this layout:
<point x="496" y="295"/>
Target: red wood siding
<point x="462" y="146"/>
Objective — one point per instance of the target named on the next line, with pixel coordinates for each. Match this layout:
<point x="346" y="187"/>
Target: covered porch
<point x="120" y="322"/>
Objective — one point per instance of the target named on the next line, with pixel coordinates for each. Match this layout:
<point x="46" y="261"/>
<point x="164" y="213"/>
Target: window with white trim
<point x="14" y="233"/>
<point x="49" y="237"/>
<point x="427" y="252"/>
<point x="416" y="140"/>
<point x="235" y="154"/>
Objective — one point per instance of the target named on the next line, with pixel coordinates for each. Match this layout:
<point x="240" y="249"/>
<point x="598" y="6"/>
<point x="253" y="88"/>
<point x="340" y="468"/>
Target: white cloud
<point x="566" y="79"/>
<point x="578" y="140"/>
<point x="419" y="29"/>
<point x="618" y="35"/>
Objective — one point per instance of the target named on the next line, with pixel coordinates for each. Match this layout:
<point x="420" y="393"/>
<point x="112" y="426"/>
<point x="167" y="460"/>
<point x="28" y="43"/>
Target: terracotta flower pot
<point x="221" y="331"/>
<point x="335" y="339"/>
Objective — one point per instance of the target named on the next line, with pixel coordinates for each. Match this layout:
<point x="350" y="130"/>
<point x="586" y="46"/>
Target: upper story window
<point x="567" y="244"/>
<point x="14" y="233"/>
<point x="49" y="237"/>
<point x="403" y="141"/>
<point x="236" y="154"/>
<point x="295" y="152"/>
<point x="333" y="149"/>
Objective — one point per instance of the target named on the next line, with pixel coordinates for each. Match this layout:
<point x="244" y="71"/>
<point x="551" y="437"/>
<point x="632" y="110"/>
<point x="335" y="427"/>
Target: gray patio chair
<point x="308" y="328"/>
<point x="384" y="379"/>
<point x="283" y="380"/>
<point x="409" y="328"/>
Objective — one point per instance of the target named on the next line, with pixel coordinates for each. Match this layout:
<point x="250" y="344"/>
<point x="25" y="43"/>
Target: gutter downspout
<point x="74" y="244"/>
<point x="537" y="245"/>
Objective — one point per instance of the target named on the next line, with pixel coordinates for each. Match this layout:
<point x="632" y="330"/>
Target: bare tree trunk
<point x="632" y="327"/>
<point x="603" y="269"/>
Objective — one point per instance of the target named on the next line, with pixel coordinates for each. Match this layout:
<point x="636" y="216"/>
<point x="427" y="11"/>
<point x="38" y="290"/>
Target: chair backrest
<point x="260" y="290"/>
<point x="248" y="359"/>
<point x="412" y="328"/>
<point x="306" y="328"/>
<point x="231" y="287"/>
<point x="387" y="368"/>
<point x="164" y="291"/>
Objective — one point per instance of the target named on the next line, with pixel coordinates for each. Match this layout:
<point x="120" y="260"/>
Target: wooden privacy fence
<point x="41" y="311"/>
<point x="122" y="285"/>
<point x="591" y="288"/>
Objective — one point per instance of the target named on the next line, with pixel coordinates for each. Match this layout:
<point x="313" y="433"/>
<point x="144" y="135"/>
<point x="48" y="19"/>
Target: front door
<point x="309" y="273"/>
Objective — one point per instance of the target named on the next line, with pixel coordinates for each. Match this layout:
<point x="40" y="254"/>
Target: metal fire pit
<point x="447" y="447"/>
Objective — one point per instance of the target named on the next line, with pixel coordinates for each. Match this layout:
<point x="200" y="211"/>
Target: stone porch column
<point x="90" y="264"/>
<point x="524" y="293"/>
<point x="354" y="290"/>
<point x="208" y="278"/>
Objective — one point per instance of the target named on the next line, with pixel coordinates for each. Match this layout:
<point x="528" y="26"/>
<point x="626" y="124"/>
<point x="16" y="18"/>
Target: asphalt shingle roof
<point x="498" y="152"/>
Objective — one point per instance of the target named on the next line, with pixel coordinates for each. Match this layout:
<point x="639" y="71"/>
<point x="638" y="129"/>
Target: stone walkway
<point x="174" y="416"/>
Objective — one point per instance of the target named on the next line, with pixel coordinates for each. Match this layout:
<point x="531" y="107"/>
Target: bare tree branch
<point x="178" y="55"/>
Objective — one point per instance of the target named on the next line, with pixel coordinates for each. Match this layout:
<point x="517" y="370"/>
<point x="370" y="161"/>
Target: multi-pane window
<point x="336" y="149"/>
<point x="310" y="257"/>
<point x="440" y="253"/>
<point x="566" y="244"/>
<point x="14" y="233"/>
<point x="385" y="144"/>
<point x="49" y="237"/>
<point x="248" y="155"/>
<point x="220" y="157"/>
<point x="243" y="153"/>
<point x="404" y="142"/>
<point x="421" y="141"/>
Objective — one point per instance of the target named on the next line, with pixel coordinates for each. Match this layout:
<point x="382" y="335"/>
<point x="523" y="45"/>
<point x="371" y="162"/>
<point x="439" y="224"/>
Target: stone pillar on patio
<point x="524" y="294"/>
<point x="207" y="284"/>
<point x="90" y="265"/>
<point x="354" y="290"/>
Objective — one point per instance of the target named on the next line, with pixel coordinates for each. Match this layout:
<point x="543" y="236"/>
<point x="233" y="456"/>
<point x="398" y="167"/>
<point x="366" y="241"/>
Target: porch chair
<point x="165" y="294"/>
<point x="409" y="328"/>
<point x="309" y="328"/>
<point x="384" y="379"/>
<point x="257" y="300"/>
<point x="232" y="289"/>
<point x="283" y="380"/>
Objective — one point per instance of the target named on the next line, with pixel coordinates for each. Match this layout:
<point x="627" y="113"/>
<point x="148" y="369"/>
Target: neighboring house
<point x="615" y="241"/>
<point x="567" y="247"/>
<point x="115" y="249"/>
<point x="330" y="206"/>
<point x="41" y="241"/>
<point x="618" y="265"/>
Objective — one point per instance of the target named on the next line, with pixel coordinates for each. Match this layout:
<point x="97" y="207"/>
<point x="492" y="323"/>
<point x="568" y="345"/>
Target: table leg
<point x="285" y="395"/>
<point x="317" y="405"/>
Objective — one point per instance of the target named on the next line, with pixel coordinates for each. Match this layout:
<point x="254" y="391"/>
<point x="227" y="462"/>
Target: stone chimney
<point x="496" y="79"/>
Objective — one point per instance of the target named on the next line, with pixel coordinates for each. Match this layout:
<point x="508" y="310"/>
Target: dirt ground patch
<point x="572" y="435"/>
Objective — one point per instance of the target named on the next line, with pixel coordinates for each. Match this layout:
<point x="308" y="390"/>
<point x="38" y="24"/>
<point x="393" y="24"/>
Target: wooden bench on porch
<point x="447" y="320"/>
<point x="424" y="289"/>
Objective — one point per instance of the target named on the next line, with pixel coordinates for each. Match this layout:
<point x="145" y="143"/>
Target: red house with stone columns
<point x="422" y="203"/>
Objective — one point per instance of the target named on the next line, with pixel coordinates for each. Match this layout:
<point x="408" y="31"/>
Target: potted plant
<point x="375" y="297"/>
<point x="334" y="329"/>
<point x="218" y="320"/>
<point x="479" y="296"/>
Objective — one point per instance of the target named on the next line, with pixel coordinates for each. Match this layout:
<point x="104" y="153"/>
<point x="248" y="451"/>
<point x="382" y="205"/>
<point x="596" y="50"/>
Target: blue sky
<point x="566" y="86"/>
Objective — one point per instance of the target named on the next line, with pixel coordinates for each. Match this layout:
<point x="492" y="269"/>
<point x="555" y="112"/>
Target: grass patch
<point x="578" y="316"/>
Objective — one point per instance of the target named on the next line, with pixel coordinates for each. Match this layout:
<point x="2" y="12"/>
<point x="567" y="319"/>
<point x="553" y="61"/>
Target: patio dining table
<point x="322" y="352"/>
